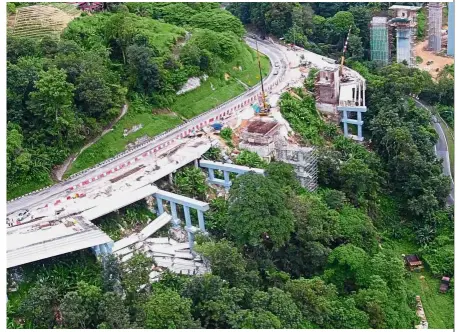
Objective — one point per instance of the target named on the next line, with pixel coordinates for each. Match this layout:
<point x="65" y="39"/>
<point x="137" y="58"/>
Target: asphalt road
<point x="442" y="151"/>
<point x="59" y="190"/>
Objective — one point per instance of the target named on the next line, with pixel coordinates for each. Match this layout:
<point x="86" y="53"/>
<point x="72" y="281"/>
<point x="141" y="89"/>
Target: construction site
<point x="393" y="37"/>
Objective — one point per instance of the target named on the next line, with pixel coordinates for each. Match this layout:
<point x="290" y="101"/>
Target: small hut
<point x="413" y="263"/>
<point x="444" y="286"/>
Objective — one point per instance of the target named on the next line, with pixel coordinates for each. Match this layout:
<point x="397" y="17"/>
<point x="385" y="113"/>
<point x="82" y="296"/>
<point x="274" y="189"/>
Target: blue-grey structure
<point x="451" y="29"/>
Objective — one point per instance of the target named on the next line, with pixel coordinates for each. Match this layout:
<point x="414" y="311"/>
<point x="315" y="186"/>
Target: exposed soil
<point x="438" y="60"/>
<point x="58" y="172"/>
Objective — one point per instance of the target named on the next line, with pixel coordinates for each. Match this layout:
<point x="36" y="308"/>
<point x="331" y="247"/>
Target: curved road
<point x="441" y="151"/>
<point x="50" y="194"/>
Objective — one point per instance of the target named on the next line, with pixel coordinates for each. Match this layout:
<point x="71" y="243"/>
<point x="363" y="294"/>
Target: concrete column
<point x="160" y="206"/>
<point x="175" y="220"/>
<point x="211" y="174"/>
<point x="196" y="162"/>
<point x="360" y="94"/>
<point x="170" y="178"/>
<point x="191" y="239"/>
<point x="359" y="125"/>
<point x="226" y="179"/>
<point x="201" y="221"/>
<point x="363" y="94"/>
<point x="345" y="124"/>
<point x="187" y="216"/>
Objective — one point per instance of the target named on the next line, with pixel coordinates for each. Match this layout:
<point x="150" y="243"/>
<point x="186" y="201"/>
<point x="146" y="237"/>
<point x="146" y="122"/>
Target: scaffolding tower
<point x="405" y="22"/>
<point x="379" y="40"/>
<point x="435" y="22"/>
<point x="451" y="29"/>
<point x="303" y="159"/>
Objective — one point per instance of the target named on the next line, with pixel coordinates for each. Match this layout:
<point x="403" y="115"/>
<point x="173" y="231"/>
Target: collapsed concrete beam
<point x="155" y="225"/>
<point x="182" y="200"/>
<point x="229" y="167"/>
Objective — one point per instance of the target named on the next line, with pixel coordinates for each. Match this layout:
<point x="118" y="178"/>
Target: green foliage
<point x="226" y="262"/>
<point x="250" y="159"/>
<point x="159" y="314"/>
<point x="135" y="272"/>
<point x="280" y="304"/>
<point x="357" y="228"/>
<point x="257" y="212"/>
<point x="226" y="134"/>
<point x="439" y="256"/>
<point x="314" y="298"/>
<point x="216" y="217"/>
<point x="303" y="118"/>
<point x="310" y="79"/>
<point x="113" y="312"/>
<point x="38" y="307"/>
<point x="255" y="319"/>
<point x="191" y="181"/>
<point x="421" y="23"/>
<point x="334" y="199"/>
<point x="283" y="174"/>
<point x="219" y="21"/>
<point x="99" y="60"/>
<point x="214" y="154"/>
<point x="213" y="301"/>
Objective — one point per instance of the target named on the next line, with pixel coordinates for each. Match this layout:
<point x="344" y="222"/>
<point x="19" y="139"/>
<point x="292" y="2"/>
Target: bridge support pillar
<point x="359" y="126"/>
<point x="170" y="178"/>
<point x="227" y="182"/>
<point x="103" y="249"/>
<point x="187" y="216"/>
<point x="175" y="220"/>
<point x="201" y="220"/>
<point x="345" y="124"/>
<point x="160" y="206"/>
<point x="211" y="174"/>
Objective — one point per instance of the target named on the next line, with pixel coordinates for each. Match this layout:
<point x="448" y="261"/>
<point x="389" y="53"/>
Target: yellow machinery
<point x="344" y="51"/>
<point x="264" y="107"/>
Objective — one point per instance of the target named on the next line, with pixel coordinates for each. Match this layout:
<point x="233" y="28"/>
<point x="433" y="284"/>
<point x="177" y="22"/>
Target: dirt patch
<point x="438" y="61"/>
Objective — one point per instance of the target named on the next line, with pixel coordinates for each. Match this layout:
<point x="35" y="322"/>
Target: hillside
<point x="142" y="55"/>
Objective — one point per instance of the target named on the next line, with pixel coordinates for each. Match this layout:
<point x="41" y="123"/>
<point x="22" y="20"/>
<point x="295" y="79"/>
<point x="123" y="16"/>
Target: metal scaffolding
<point x="303" y="159"/>
<point x="405" y="22"/>
<point x="435" y="22"/>
<point x="451" y="29"/>
<point x="379" y="40"/>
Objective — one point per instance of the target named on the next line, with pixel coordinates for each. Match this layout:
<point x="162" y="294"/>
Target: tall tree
<point x="258" y="212"/>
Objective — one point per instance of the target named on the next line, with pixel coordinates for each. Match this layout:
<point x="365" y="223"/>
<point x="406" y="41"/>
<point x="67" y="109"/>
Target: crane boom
<point x="261" y="78"/>
<point x="344" y="51"/>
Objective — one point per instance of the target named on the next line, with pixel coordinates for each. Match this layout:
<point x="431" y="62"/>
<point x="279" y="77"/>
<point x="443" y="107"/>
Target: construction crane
<point x="265" y="108"/>
<point x="344" y="51"/>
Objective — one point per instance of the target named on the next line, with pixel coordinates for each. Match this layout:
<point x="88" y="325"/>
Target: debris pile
<point x="167" y="253"/>
<point x="132" y="130"/>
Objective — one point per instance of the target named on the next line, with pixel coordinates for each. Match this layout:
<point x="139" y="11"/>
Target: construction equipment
<point x="265" y="108"/>
<point x="344" y="51"/>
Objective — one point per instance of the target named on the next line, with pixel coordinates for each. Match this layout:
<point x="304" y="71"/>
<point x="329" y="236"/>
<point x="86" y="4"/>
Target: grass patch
<point x="187" y="105"/>
<point x="439" y="308"/>
<point x="87" y="30"/>
<point x="205" y="98"/>
<point x="114" y="142"/>
<point x="27" y="186"/>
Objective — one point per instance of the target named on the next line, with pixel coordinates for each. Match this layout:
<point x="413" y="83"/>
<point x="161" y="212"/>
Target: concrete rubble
<point x="168" y="253"/>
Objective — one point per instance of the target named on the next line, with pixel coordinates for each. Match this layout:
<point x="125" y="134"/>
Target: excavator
<point x="264" y="106"/>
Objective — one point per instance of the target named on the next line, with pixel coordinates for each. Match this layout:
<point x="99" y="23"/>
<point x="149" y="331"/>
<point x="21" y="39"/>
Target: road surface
<point x="442" y="151"/>
<point x="95" y="176"/>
